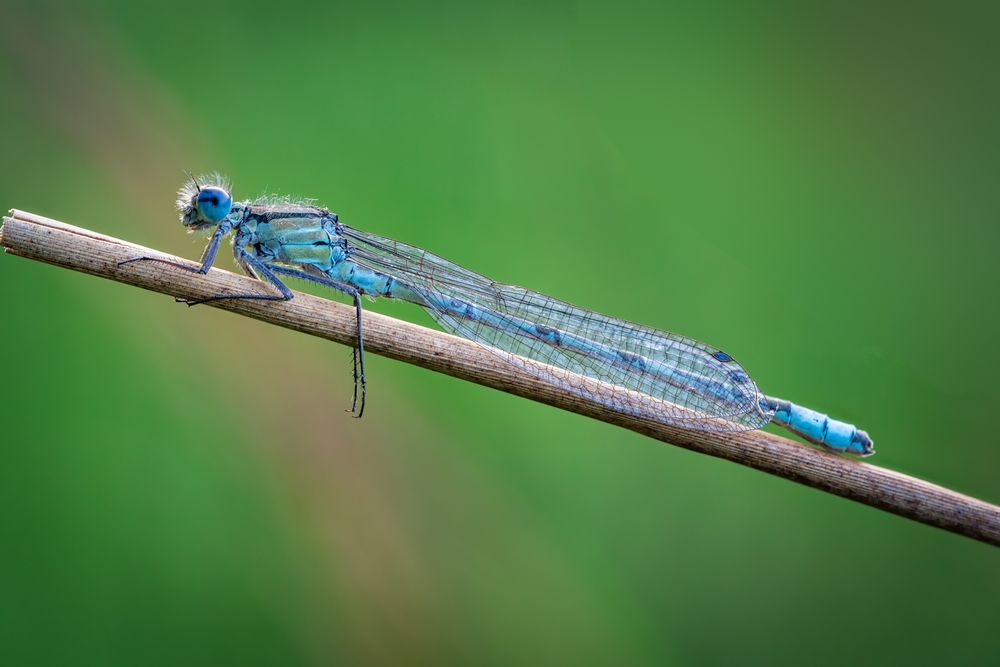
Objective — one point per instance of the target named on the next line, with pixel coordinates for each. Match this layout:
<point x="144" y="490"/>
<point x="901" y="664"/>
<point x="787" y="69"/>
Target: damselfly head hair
<point x="204" y="201"/>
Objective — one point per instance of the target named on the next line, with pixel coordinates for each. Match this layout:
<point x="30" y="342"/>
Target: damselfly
<point x="628" y="367"/>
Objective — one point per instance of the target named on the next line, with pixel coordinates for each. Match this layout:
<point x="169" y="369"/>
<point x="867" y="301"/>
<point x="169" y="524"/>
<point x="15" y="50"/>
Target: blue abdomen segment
<point x="732" y="397"/>
<point x="735" y="395"/>
<point x="818" y="428"/>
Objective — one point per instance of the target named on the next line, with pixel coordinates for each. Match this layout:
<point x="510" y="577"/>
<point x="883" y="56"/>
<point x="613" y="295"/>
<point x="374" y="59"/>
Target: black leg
<point x="359" y="350"/>
<point x="262" y="270"/>
<point x="207" y="257"/>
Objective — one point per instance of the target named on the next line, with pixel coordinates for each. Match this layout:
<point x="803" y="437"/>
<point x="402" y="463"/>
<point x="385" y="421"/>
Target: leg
<point x="359" y="351"/>
<point x="262" y="270"/>
<point x="207" y="258"/>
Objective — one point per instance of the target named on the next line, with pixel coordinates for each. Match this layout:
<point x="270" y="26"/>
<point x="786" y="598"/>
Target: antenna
<point x="193" y="180"/>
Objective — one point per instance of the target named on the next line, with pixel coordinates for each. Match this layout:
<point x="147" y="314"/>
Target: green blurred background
<point x="814" y="191"/>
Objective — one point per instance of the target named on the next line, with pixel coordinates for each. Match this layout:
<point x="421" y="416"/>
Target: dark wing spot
<point x="722" y="356"/>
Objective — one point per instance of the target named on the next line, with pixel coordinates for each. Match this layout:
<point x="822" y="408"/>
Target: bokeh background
<point x="813" y="190"/>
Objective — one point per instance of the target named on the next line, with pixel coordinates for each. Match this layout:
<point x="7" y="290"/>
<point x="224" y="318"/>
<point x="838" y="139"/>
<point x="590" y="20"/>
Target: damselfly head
<point x="204" y="201"/>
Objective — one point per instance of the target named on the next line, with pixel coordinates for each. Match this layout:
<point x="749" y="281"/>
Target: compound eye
<point x="214" y="204"/>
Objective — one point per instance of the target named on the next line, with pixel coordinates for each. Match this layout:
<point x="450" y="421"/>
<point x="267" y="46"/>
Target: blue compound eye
<point x="214" y="204"/>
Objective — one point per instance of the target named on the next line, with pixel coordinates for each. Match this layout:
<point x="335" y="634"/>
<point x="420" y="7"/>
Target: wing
<point x="627" y="367"/>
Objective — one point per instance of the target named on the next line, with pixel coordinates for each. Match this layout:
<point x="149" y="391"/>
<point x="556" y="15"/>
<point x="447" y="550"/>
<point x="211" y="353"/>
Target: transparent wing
<point x="625" y="366"/>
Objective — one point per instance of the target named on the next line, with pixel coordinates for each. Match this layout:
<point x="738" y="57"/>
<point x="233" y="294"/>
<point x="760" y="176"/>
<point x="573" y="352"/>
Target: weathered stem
<point x="54" y="242"/>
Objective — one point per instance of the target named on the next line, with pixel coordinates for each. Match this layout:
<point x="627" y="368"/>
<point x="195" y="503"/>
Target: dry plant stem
<point x="54" y="242"/>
